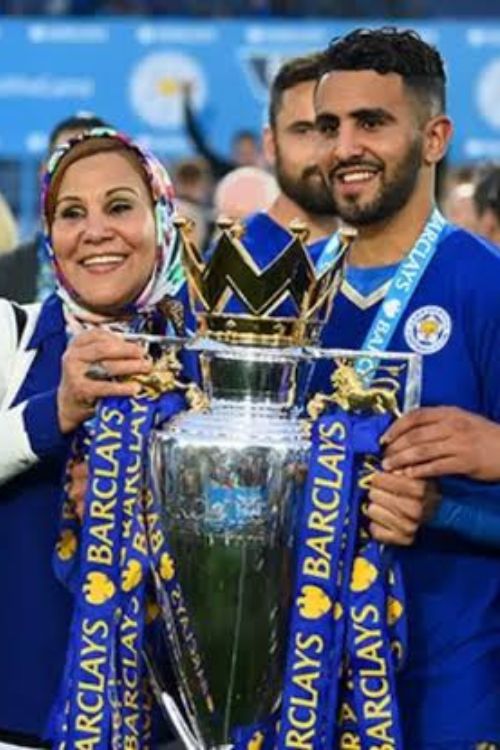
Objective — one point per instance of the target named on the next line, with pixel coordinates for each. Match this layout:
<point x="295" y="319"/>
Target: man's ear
<point x="269" y="146"/>
<point x="437" y="134"/>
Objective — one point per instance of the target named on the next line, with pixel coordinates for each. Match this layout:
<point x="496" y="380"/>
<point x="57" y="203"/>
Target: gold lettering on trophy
<point x="374" y="682"/>
<point x="91" y="683"/>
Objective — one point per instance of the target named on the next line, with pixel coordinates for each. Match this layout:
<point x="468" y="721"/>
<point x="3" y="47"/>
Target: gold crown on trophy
<point x="230" y="278"/>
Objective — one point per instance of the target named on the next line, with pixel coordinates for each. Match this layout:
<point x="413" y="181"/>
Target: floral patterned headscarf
<point x="167" y="276"/>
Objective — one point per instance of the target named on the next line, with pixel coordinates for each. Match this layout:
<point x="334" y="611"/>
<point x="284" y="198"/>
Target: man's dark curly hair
<point x="390" y="50"/>
<point x="292" y="72"/>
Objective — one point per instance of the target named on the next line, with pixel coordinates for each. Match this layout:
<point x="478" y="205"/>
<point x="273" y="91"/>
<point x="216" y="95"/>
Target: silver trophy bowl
<point x="228" y="482"/>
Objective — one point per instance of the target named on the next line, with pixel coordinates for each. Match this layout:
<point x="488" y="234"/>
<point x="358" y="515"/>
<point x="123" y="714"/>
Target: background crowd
<point x="347" y="8"/>
<point x="210" y="182"/>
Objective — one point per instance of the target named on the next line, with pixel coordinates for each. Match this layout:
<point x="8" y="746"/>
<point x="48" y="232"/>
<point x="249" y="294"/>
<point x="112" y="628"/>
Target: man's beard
<point x="393" y="194"/>
<point x="309" y="190"/>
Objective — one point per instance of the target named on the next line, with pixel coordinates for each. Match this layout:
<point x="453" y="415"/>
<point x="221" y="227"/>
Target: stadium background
<point x="130" y="69"/>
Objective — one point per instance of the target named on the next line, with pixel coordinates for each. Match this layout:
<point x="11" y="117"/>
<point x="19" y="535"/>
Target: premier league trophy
<point x="228" y="479"/>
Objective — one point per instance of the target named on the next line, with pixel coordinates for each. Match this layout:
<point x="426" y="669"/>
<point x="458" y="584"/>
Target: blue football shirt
<point x="449" y="689"/>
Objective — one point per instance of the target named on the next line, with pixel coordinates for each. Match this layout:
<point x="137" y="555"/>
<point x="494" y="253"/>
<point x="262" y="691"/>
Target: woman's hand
<point x="88" y="355"/>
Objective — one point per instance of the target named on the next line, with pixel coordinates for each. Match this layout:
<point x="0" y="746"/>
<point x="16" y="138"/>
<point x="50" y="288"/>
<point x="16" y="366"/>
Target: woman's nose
<point x="96" y="227"/>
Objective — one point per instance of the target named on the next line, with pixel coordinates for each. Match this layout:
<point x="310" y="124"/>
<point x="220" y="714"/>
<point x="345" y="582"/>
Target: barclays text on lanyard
<point x="348" y="632"/>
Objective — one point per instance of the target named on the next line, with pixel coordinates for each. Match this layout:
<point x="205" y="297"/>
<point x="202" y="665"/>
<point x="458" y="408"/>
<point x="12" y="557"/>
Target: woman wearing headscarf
<point x="107" y="209"/>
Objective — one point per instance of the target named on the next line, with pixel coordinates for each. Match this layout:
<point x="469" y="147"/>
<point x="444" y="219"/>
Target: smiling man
<point x="380" y="106"/>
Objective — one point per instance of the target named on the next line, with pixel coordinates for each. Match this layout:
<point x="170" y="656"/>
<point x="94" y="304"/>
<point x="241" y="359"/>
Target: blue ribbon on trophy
<point x="339" y="590"/>
<point x="102" y="701"/>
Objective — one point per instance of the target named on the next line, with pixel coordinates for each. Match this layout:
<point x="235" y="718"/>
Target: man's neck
<point x="284" y="211"/>
<point x="387" y="242"/>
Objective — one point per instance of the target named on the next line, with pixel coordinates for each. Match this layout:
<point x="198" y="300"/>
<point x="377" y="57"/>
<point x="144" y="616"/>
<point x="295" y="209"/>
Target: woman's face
<point x="103" y="231"/>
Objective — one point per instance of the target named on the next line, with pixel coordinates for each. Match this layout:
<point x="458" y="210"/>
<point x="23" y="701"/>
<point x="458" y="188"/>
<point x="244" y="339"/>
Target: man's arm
<point x="218" y="164"/>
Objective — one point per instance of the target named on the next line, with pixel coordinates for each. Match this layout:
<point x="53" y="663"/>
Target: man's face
<point x="370" y="143"/>
<point x="293" y="148"/>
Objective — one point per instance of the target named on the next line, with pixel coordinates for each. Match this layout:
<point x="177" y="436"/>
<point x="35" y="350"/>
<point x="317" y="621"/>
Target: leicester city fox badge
<point x="428" y="329"/>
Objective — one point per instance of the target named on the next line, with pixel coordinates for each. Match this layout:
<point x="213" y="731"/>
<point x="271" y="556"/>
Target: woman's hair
<point x="80" y="150"/>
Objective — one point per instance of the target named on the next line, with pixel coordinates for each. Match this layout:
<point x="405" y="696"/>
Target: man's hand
<point x="434" y="441"/>
<point x="79" y="391"/>
<point x="398" y="505"/>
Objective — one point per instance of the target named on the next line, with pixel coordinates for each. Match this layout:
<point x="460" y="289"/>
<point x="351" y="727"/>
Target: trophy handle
<point x="170" y="709"/>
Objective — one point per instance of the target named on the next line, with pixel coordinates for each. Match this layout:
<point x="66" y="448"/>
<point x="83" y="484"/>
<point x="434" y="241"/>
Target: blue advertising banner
<point x="131" y="72"/>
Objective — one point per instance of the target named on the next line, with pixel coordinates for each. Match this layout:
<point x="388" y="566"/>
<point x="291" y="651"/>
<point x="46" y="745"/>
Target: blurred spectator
<point x="244" y="191"/>
<point x="457" y="203"/>
<point x="192" y="181"/>
<point x="487" y="203"/>
<point x="245" y="146"/>
<point x="8" y="227"/>
<point x="25" y="273"/>
<point x="193" y="190"/>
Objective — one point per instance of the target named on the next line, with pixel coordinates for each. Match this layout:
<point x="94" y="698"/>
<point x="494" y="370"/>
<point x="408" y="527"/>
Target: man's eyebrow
<point x="363" y="113"/>
<point x="326" y="117"/>
<point x="379" y="113"/>
<point x="301" y="124"/>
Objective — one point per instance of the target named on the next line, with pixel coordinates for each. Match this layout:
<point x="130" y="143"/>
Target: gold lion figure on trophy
<point x="165" y="377"/>
<point x="351" y="393"/>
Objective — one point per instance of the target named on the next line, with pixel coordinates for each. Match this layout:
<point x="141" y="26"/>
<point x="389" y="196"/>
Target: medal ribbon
<point x="338" y="578"/>
<point x="102" y="702"/>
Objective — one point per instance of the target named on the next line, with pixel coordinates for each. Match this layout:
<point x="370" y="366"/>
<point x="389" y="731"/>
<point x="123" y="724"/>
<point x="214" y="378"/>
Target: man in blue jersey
<point x="290" y="145"/>
<point x="414" y="283"/>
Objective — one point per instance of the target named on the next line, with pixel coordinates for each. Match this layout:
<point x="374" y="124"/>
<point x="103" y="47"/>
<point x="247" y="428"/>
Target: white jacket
<point x="16" y="454"/>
